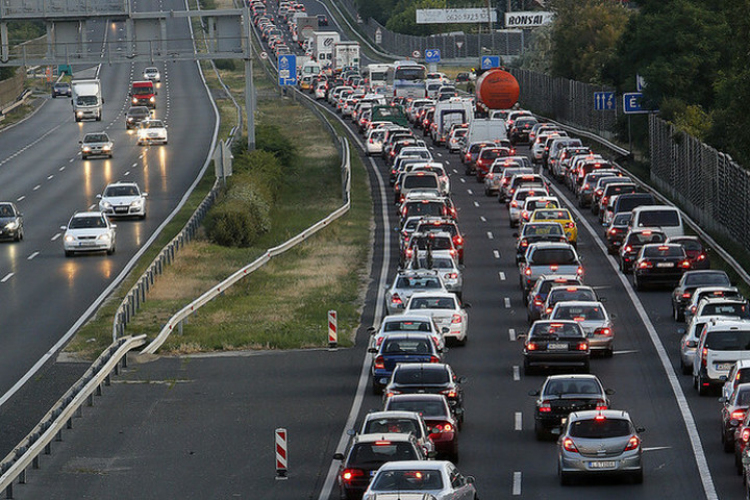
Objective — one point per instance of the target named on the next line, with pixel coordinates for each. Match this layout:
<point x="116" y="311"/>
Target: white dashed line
<point x="127" y="173"/>
<point x="56" y="236"/>
<point x="7" y="277"/>
<point x="134" y="165"/>
<point x="490" y="235"/>
<point x="516" y="484"/>
<point x="501" y="274"/>
<point x="519" y="421"/>
<point x="506" y="300"/>
<point x="470" y="191"/>
<point x="482" y="218"/>
<point x="62" y="168"/>
<point x="91" y="207"/>
<point x="455" y="171"/>
<point x="516" y="374"/>
<point x="476" y="204"/>
<point x="463" y="180"/>
<point x="447" y="162"/>
<point x="21" y="198"/>
<point x="512" y="334"/>
<point x="71" y="160"/>
<point x="497" y="256"/>
<point x="50" y="177"/>
<point x="30" y="257"/>
<point x="37" y="187"/>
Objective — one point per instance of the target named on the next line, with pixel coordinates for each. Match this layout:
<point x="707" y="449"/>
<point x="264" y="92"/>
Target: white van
<point x="664" y="217"/>
<point x="723" y="342"/>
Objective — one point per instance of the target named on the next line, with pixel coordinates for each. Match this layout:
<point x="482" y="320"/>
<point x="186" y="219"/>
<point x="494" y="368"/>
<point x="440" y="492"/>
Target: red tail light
<point x="380" y="363"/>
<point x="570" y="225"/>
<point x="449" y="393"/>
<point x="645" y="265"/>
<point x="738" y="414"/>
<point x="745" y="436"/>
<point x="687" y="295"/>
<point x="605" y="201"/>
<point x="633" y="443"/>
<point x="603" y="331"/>
<point x="554" y="267"/>
<point x="704" y="356"/>
<point x="601" y="405"/>
<point x="527" y="272"/>
<point x="350" y="475"/>
<point x="456" y="319"/>
<point x="583" y="346"/>
<point x="628" y="249"/>
<point x="396" y="300"/>
<point x="514" y="204"/>
<point x="434" y="359"/>
<point x="545" y="407"/>
<point x="531" y="346"/>
<point x="444" y="427"/>
<point x="579" y="271"/>
<point x="569" y="445"/>
<point x="458" y="240"/>
<point x="685" y="264"/>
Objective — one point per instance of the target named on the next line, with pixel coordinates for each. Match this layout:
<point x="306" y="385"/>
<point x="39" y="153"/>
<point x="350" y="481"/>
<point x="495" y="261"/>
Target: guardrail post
<point x="22" y="477"/>
<point x="90" y="400"/>
<point x="179" y="328"/>
<point x="47" y="449"/>
<point x="9" y="491"/>
<point x="107" y="382"/>
<point x="69" y="424"/>
<point x="125" y="361"/>
<point x="35" y="462"/>
<point x="99" y="390"/>
<point x="58" y="436"/>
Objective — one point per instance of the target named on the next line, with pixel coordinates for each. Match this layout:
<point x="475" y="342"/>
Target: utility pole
<point x="489" y="25"/>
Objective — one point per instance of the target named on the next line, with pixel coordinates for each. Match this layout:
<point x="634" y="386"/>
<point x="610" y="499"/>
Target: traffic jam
<point x="541" y="179"/>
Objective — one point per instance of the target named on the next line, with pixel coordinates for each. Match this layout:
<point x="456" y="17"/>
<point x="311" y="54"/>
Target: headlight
<point x="12" y="225"/>
<point x="104" y="236"/>
<point x="87" y="149"/>
<point x="69" y="238"/>
<point x="152" y="99"/>
<point x="136" y="203"/>
<point x="105" y="204"/>
<point x="107" y="147"/>
<point x="79" y="114"/>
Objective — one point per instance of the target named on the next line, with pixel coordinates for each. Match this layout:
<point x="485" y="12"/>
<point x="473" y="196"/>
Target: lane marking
<point x="56" y="236"/>
<point x="37" y="187"/>
<point x="501" y="274"/>
<point x="490" y="236"/>
<point x="631" y="351"/>
<point x="657" y="448"/>
<point x="482" y="218"/>
<point x="496" y="254"/>
<point x="470" y="191"/>
<point x="127" y="173"/>
<point x="30" y="257"/>
<point x="50" y="177"/>
<point x="507" y="302"/>
<point x="20" y="198"/>
<point x="463" y="180"/>
<point x="7" y="277"/>
<point x="516" y="374"/>
<point x="516" y="483"/>
<point x="519" y="421"/>
<point x="512" y="334"/>
<point x="62" y="168"/>
<point x="476" y="204"/>
<point x="455" y="171"/>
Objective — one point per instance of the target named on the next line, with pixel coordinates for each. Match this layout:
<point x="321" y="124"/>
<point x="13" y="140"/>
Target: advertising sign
<point x="532" y="19"/>
<point x="444" y="16"/>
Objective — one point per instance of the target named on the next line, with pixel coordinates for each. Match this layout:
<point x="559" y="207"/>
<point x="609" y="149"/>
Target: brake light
<point x="738" y="414"/>
<point x="569" y="445"/>
<point x="579" y="271"/>
<point x="434" y="359"/>
<point x="570" y="225"/>
<point x="350" y="475"/>
<point x="458" y="240"/>
<point x="704" y="356"/>
<point x="514" y="204"/>
<point x="685" y="264"/>
<point x="633" y="443"/>
<point x="587" y="186"/>
<point x="380" y="363"/>
<point x="605" y="200"/>
<point x="449" y="393"/>
<point x="531" y="346"/>
<point x="527" y="271"/>
<point x="603" y="331"/>
<point x="601" y="405"/>
<point x="701" y="257"/>
<point x="391" y="393"/>
<point x="745" y="435"/>
<point x="583" y="346"/>
<point x="687" y="295"/>
<point x="545" y="407"/>
<point x="444" y="427"/>
<point x="554" y="267"/>
<point x="645" y="265"/>
<point x="627" y="249"/>
<point x="524" y="243"/>
<point x="396" y="300"/>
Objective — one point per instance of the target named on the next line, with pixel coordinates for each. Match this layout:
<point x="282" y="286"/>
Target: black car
<point x="691" y="280"/>
<point x="562" y="394"/>
<point x="519" y="132"/>
<point x="11" y="222"/>
<point x="661" y="264"/>
<point x="428" y="378"/>
<point x="633" y="242"/>
<point x="135" y="115"/>
<point x="462" y="77"/>
<point x="552" y="344"/>
<point x="697" y="252"/>
<point x="322" y="20"/>
<point x="61" y="89"/>
<point x="615" y="233"/>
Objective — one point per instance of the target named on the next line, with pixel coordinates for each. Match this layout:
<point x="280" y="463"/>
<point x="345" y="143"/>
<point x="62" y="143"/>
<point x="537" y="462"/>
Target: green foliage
<point x="225" y="64"/>
<point x="263" y="170"/>
<point x="239" y="219"/>
<point x="584" y="37"/>
<point x="538" y="57"/>
<point x="269" y="138"/>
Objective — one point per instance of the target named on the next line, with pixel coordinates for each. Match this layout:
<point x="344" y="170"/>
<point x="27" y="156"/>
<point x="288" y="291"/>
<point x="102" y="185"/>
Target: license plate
<point x="87" y="243"/>
<point x="121" y="210"/>
<point x="665" y="264"/>
<point x="557" y="347"/>
<point x="610" y="464"/>
<point x="725" y="367"/>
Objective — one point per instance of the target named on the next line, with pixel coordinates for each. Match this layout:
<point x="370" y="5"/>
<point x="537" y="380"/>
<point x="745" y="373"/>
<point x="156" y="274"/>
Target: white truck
<point x="87" y="99"/>
<point x="455" y="110"/>
<point x="322" y="45"/>
<point x="345" y="55"/>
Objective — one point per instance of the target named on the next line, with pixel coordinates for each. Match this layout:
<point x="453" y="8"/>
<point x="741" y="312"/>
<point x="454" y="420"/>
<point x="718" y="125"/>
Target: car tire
<point x="677" y="315"/>
<point x="686" y="369"/>
<point x="702" y="390"/>
<point x="728" y="445"/>
<point x="540" y="432"/>
<point x="19" y="236"/>
<point x="637" y="477"/>
<point x="566" y="479"/>
<point x="68" y="253"/>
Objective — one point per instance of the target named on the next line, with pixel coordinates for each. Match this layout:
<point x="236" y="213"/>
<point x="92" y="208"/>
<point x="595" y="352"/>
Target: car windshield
<point x="87" y="222"/>
<point x="407" y="346"/>
<point x="402" y="425"/>
<point x="6" y="210"/>
<point x="579" y="313"/>
<point x="87" y="100"/>
<point x="113" y="191"/>
<point x="414" y="375"/>
<point x="153" y="124"/>
<point x="406" y="326"/>
<point x="545" y="256"/>
<point x="380" y="452"/>
<point x="96" y="138"/>
<point x="600" y="428"/>
<point x="433" y="303"/>
<point x="553" y="329"/>
<point x="408" y="480"/>
<point x="428" y="408"/>
<point x="574" y="386"/>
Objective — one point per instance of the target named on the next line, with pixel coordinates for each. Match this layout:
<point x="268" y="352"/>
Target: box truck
<point x="87" y="99"/>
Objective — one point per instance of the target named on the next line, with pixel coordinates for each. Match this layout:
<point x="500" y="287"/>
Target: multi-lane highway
<point x="203" y="428"/>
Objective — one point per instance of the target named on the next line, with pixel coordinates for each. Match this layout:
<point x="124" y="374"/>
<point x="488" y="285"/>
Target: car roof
<point x="578" y="376"/>
<point x="88" y="214"/>
<point x="391" y="413"/>
<point x="384" y="436"/>
<point x="589" y="414"/>
<point x="414" y="464"/>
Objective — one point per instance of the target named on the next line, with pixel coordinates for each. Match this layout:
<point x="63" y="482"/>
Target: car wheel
<point x="637" y="477"/>
<point x="84" y="157"/>
<point x="68" y="253"/>
<point x="702" y="390"/>
<point x="728" y="444"/>
<point x="685" y="368"/>
<point x="111" y="251"/>
<point x="540" y="432"/>
<point x="19" y="235"/>
<point x="677" y="314"/>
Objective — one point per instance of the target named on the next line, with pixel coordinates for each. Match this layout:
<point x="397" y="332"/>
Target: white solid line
<point x="516" y="483"/>
<point x="490" y="236"/>
<point x="496" y="254"/>
<point x="470" y="191"/>
<point x="519" y="421"/>
<point x="56" y="236"/>
<point x="7" y="277"/>
<point x="516" y="374"/>
<point x="32" y="255"/>
<point x="512" y="334"/>
<point x="501" y="274"/>
<point x="481" y="217"/>
<point x="507" y="302"/>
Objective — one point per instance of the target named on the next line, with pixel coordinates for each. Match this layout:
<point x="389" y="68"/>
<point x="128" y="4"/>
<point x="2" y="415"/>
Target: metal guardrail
<point x="26" y="454"/>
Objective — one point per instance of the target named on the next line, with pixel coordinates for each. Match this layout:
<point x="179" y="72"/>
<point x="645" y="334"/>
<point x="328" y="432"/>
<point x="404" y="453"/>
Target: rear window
<point x="575" y="294"/>
<point x="600" y="429"/>
<point x="426" y="408"/>
<point x="559" y="387"/>
<point x="552" y="215"/>
<point x="732" y="340"/>
<point x="664" y="251"/>
<point x="381" y="452"/>
<point x="643" y="238"/>
<point x="613" y="189"/>
<point x="553" y="256"/>
<point x="628" y="203"/>
<point x="725" y="310"/>
<point x="491" y="154"/>
<point x="717" y="278"/>
<point x="426" y="209"/>
<point x="415" y="181"/>
<point x="579" y="313"/>
<point x="381" y="425"/>
<point x="542" y="230"/>
<point x="406" y="326"/>
<point x="544" y="329"/>
<point x="433" y="303"/>
<point x="410" y="375"/>
<point x="407" y="346"/>
<point x="418" y="282"/>
<point x="658" y="218"/>
<point x="408" y="480"/>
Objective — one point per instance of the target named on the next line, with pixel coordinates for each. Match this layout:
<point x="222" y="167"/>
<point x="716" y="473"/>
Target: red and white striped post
<point x="281" y="453"/>
<point x="333" y="336"/>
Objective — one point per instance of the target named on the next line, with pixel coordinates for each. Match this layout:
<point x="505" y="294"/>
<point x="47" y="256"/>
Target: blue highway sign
<point x="631" y="104"/>
<point x="489" y="62"/>
<point x="432" y="55"/>
<point x="604" y="101"/>
<point x="287" y="69"/>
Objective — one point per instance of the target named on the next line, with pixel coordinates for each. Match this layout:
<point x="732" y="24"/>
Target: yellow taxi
<point x="561" y="215"/>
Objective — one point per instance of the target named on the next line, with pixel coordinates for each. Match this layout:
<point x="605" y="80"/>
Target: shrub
<point x="263" y="170"/>
<point x="225" y="64"/>
<point x="239" y="218"/>
<point x="270" y="138"/>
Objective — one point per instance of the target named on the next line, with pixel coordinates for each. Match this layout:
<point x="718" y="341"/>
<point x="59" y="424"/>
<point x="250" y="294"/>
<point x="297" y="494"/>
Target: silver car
<point x="96" y="144"/>
<point x="408" y="282"/>
<point x="593" y="318"/>
<point x="445" y="309"/>
<point x="599" y="442"/>
<point x="407" y="480"/>
<point x="444" y="262"/>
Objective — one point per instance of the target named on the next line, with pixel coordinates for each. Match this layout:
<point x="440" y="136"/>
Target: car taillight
<point x="583" y="346"/>
<point x="554" y="267"/>
<point x="701" y="257"/>
<point x="685" y="264"/>
<point x="603" y="331"/>
<point x="514" y="204"/>
<point x="527" y="272"/>
<point x="391" y="393"/>
<point x="687" y="295"/>
<point x="569" y="445"/>
<point x="524" y="243"/>
<point x="531" y="346"/>
<point x="579" y="271"/>
<point x="570" y="225"/>
<point x="379" y="363"/>
<point x="587" y="186"/>
<point x="704" y="356"/>
<point x="605" y="201"/>
<point x="449" y="393"/>
<point x="434" y="359"/>
<point x="456" y="319"/>
<point x="738" y="414"/>
<point x="396" y="300"/>
<point x="627" y="249"/>
<point x="444" y="427"/>
<point x="451" y="276"/>
<point x="349" y="475"/>
<point x="613" y="231"/>
<point x="545" y="407"/>
<point x="633" y="443"/>
<point x="745" y="436"/>
<point x="458" y="240"/>
<point x="645" y="265"/>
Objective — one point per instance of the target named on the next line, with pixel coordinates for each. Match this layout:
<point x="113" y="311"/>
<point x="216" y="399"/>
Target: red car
<point x="437" y="414"/>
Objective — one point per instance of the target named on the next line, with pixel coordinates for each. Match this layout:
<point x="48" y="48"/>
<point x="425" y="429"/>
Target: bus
<point x="407" y="79"/>
<point x="376" y="77"/>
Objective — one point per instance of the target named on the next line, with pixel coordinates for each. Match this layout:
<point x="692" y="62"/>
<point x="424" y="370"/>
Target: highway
<point x="45" y="295"/>
<point x="201" y="427"/>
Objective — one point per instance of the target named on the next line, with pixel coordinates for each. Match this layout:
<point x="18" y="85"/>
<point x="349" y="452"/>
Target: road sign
<point x="631" y="104"/>
<point x="416" y="53"/>
<point x="604" y="101"/>
<point x="264" y="55"/>
<point x="640" y="83"/>
<point x="287" y="65"/>
<point x="489" y="62"/>
<point x="432" y="55"/>
<point x="459" y="44"/>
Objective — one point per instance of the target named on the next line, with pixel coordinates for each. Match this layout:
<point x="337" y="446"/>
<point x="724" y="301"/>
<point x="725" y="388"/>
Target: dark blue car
<point x="401" y="348"/>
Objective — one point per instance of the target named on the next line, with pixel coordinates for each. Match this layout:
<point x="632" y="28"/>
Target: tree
<point x="585" y="34"/>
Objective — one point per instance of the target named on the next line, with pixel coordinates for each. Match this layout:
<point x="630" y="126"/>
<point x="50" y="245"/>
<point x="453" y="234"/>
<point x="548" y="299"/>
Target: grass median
<point x="284" y="304"/>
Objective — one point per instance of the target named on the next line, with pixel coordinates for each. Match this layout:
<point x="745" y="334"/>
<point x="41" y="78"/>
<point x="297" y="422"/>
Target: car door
<point x="460" y="487"/>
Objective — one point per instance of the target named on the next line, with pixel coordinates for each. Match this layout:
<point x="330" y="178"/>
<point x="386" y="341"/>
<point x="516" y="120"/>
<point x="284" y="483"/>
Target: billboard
<point x="444" y="16"/>
<point x="531" y="19"/>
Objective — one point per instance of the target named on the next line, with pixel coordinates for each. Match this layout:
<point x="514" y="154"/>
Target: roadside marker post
<point x="333" y="336"/>
<point x="281" y="454"/>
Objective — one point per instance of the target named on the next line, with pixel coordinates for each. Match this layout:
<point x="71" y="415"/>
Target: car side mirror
<point x="80" y="142"/>
<point x="609" y="392"/>
<point x="462" y="380"/>
<point x="681" y="331"/>
<point x="445" y="329"/>
<point x="613" y="316"/>
<point x="64" y="228"/>
<point x="521" y="336"/>
<point x="471" y="479"/>
<point x="98" y="197"/>
<point x="640" y="430"/>
<point x="338" y="456"/>
<point x="372" y="350"/>
<point x="602" y="300"/>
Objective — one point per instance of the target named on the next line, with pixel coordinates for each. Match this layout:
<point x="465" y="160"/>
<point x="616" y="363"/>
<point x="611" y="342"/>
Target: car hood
<point x="120" y="200"/>
<point x="90" y="232"/>
<point x="5" y="220"/>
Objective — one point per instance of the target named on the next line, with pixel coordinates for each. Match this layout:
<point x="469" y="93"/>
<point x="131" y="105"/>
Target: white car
<point x="445" y="309"/>
<point x="422" y="479"/>
<point x="123" y="199"/>
<point x="374" y="141"/>
<point x="320" y="90"/>
<point x="152" y="74"/>
<point x="152" y="132"/>
<point x="89" y="232"/>
<point x="445" y="262"/>
<point x="407" y="323"/>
